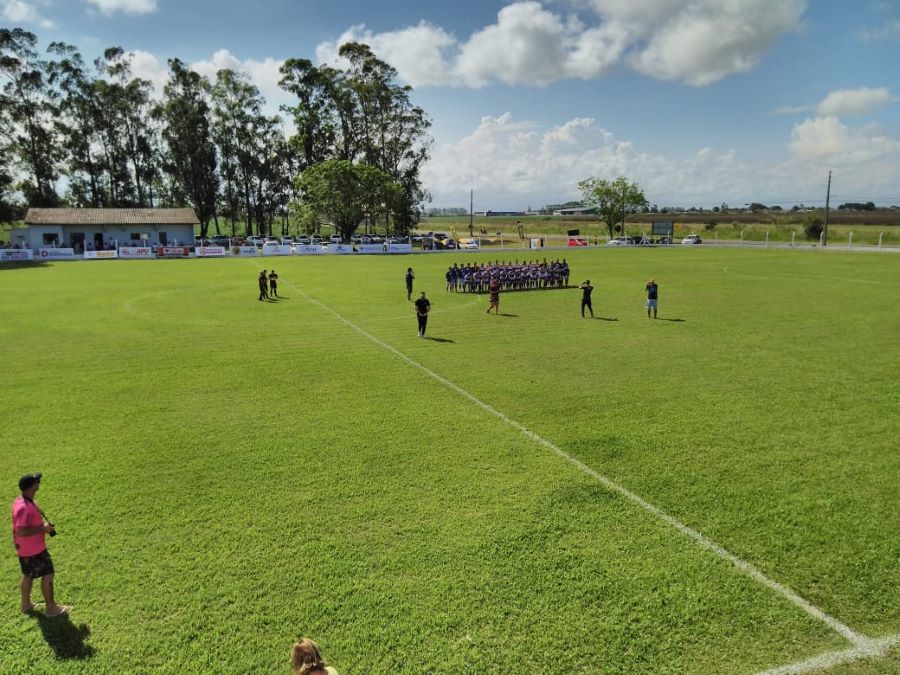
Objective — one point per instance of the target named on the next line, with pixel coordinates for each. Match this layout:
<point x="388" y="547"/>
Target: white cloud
<point x="513" y="163"/>
<point x="24" y="12"/>
<point x="696" y="43"/>
<point x="126" y="6"/>
<point x="848" y="102"/>
<point x="263" y="74"/>
<point x="886" y="32"/>
<point x="147" y="67"/>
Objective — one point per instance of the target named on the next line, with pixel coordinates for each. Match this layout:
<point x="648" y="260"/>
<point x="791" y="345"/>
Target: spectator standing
<point x="273" y="283"/>
<point x="423" y="306"/>
<point x="652" y="297"/>
<point x="30" y="528"/>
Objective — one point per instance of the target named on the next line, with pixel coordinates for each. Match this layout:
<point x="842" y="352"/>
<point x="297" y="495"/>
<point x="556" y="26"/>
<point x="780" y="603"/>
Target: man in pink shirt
<point x="29" y="528"/>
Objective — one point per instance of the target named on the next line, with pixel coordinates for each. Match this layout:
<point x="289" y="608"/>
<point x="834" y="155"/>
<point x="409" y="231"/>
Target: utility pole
<point x="471" y="213"/>
<point x="827" y="205"/>
<point x="624" y="188"/>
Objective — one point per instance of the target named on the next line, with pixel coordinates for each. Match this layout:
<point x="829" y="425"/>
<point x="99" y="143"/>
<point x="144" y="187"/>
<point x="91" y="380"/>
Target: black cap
<point x="28" y="480"/>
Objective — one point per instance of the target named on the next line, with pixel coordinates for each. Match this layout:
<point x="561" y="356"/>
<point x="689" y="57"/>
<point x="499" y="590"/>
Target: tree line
<point x="93" y="135"/>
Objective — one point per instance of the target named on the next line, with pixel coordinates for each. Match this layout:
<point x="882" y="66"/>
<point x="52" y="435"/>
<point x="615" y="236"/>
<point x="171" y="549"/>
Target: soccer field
<point x="715" y="491"/>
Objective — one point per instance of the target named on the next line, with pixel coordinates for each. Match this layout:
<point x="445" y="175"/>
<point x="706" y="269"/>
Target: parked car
<point x="315" y="239"/>
<point x="692" y="239"/>
<point x="303" y="241"/>
<point x="468" y="244"/>
<point x="335" y="239"/>
<point x="256" y="240"/>
<point x="287" y="241"/>
<point x="620" y="241"/>
<point x="221" y="240"/>
<point x="270" y="241"/>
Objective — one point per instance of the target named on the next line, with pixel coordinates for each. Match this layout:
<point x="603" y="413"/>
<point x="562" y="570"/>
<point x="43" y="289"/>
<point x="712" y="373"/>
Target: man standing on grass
<point x="586" y="290"/>
<point x="494" y="290"/>
<point x="423" y="306"/>
<point x="29" y="530"/>
<point x="652" y="297"/>
<point x="263" y="286"/>
<point x="409" y="283"/>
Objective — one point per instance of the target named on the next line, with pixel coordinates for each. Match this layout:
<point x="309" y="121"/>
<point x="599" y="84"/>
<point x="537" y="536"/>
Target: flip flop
<point x="63" y="609"/>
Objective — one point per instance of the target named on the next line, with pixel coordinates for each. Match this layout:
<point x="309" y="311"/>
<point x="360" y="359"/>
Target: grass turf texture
<point x="227" y="475"/>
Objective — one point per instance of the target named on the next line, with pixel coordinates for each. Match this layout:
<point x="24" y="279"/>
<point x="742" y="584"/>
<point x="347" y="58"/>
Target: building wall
<point x="120" y="235"/>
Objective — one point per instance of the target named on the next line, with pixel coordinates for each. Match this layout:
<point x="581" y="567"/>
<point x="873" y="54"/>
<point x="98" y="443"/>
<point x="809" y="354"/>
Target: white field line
<point x="872" y="649"/>
<point x="855" y="638"/>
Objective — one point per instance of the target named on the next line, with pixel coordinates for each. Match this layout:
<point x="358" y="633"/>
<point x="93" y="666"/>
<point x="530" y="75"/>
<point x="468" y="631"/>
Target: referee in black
<point x="423" y="306"/>
<point x="586" y="290"/>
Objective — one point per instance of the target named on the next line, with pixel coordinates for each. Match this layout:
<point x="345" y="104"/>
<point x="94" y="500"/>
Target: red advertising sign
<point x="577" y="241"/>
<point x="174" y="251"/>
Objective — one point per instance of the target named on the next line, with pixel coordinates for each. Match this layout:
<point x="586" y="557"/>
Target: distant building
<point x="576" y="211"/>
<point x="488" y="214"/>
<point x="96" y="229"/>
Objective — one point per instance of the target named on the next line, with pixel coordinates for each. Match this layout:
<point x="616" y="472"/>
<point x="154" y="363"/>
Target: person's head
<point x="423" y="295"/>
<point x="29" y="484"/>
<point x="305" y="657"/>
<point x="587" y="282"/>
<point x="409" y="269"/>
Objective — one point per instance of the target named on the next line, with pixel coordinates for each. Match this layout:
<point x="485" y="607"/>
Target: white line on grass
<point x="864" y="647"/>
<point x="872" y="649"/>
<point x="743" y="565"/>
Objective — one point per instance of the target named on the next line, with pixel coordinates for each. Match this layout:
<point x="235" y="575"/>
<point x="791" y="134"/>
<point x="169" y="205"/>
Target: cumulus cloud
<point x="126" y="6"/>
<point x="850" y="102"/>
<point x="512" y="163"/>
<point x="696" y="43"/>
<point x="263" y="74"/>
<point x="886" y="32"/>
<point x="24" y="12"/>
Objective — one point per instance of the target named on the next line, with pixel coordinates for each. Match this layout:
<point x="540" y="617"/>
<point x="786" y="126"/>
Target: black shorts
<point x="36" y="566"/>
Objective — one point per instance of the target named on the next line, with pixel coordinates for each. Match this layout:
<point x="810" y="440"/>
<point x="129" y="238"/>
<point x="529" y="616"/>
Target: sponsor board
<point x="56" y="253"/>
<point x="276" y="249"/>
<point x="244" y="251"/>
<point x="100" y="255"/>
<point x="136" y="252"/>
<point x="577" y="241"/>
<point x="173" y="251"/>
<point x="210" y="251"/>
<point x="339" y="249"/>
<point x="399" y="248"/>
<point x="535" y="243"/>
<point x="370" y="248"/>
<point x="308" y="249"/>
<point x="15" y="254"/>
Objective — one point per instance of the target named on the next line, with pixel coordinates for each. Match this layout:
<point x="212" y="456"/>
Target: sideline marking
<point x="858" y="640"/>
<point x="873" y="649"/>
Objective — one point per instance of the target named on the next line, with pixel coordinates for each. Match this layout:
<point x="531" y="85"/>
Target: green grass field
<point x="227" y="475"/>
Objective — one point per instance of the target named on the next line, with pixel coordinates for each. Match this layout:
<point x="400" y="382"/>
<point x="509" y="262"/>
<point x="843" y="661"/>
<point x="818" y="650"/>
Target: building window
<point x="51" y="239"/>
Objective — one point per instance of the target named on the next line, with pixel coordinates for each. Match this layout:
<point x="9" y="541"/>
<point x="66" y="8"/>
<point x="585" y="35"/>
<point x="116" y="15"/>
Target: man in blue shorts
<point x="652" y="297"/>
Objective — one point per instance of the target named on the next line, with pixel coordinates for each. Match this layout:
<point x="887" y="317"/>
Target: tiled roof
<point x="111" y="217"/>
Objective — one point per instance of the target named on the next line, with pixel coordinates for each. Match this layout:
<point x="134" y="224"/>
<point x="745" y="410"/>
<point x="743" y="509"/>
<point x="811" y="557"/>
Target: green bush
<point x="813" y="227"/>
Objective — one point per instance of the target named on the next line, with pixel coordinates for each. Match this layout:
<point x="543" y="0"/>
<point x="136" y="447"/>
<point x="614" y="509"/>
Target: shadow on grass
<point x="603" y="318"/>
<point x="436" y="339"/>
<point x="65" y="638"/>
<point x="672" y="320"/>
<point x="514" y="316"/>
<point x="22" y="264"/>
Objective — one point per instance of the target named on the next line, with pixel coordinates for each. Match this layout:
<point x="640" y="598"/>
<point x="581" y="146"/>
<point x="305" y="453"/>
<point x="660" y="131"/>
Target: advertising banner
<point x="173" y="252"/>
<point x="535" y="243"/>
<point x="370" y="248"/>
<point x="15" y="254"/>
<point x="136" y="252"/>
<point x="577" y="241"/>
<point x="276" y="249"/>
<point x="210" y="251"/>
<point x="308" y="249"/>
<point x="244" y="251"/>
<point x="399" y="248"/>
<point x="339" y="249"/>
<point x="100" y="255"/>
<point x="56" y="253"/>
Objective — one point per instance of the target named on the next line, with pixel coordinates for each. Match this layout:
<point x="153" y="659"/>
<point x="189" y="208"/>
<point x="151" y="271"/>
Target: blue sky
<point x="701" y="102"/>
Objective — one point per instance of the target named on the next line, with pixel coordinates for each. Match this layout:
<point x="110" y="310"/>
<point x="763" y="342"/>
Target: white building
<point x="97" y="229"/>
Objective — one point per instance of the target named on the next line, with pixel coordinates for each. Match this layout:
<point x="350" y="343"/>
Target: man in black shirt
<point x="423" y="306"/>
<point x="586" y="289"/>
<point x="652" y="297"/>
<point x="409" y="282"/>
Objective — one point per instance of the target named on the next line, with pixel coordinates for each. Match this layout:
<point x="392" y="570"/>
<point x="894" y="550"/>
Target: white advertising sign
<point x="535" y="243"/>
<point x="15" y="254"/>
<point x="399" y="248"/>
<point x="308" y="249"/>
<point x="370" y="248"/>
<point x="276" y="249"/>
<point x="100" y="255"/>
<point x="244" y="250"/>
<point x="340" y="249"/>
<point x="56" y="253"/>
<point x="210" y="251"/>
<point x="136" y="252"/>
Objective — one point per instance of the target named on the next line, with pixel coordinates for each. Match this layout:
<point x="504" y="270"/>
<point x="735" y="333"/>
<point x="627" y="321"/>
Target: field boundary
<point x="863" y="647"/>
